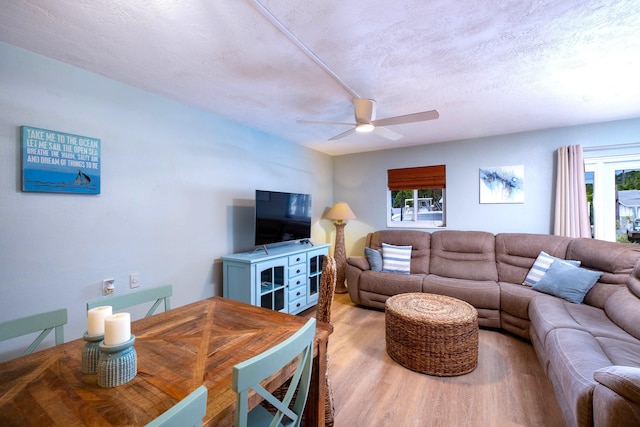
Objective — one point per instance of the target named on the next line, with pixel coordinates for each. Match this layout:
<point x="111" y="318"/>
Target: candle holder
<point x="117" y="364"/>
<point x="90" y="353"/>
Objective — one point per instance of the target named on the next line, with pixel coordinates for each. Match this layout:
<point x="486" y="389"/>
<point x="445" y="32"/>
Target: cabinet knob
<point x="298" y="293"/>
<point x="298" y="271"/>
<point x="298" y="282"/>
<point x="298" y="305"/>
<point x="298" y="259"/>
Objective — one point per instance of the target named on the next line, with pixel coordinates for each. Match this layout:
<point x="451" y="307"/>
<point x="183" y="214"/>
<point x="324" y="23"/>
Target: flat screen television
<point x="281" y="217"/>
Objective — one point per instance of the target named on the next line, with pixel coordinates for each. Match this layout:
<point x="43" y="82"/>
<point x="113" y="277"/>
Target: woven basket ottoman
<point x="432" y="334"/>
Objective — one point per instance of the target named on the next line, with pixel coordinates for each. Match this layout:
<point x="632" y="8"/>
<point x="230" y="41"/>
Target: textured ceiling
<point x="489" y="67"/>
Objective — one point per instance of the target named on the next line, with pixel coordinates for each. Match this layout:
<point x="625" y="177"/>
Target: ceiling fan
<point x="365" y="120"/>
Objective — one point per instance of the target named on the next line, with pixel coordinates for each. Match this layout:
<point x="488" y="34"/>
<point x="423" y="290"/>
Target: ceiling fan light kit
<point x="364" y="127"/>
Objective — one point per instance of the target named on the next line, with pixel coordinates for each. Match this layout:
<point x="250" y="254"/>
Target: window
<point x="416" y="197"/>
<point x="613" y="192"/>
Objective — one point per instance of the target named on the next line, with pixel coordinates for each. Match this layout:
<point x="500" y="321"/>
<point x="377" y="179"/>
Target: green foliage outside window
<point x="628" y="180"/>
<point x="400" y="196"/>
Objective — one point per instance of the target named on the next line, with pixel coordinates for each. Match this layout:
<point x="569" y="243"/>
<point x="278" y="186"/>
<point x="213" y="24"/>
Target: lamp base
<point x="340" y="255"/>
<point x="341" y="290"/>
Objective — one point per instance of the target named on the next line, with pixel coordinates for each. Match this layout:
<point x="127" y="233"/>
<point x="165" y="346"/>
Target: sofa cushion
<point x="374" y="258"/>
<point x="616" y="397"/>
<point x="624" y="380"/>
<point x="484" y="295"/>
<point x="396" y="259"/>
<point x="516" y="252"/>
<point x="548" y="313"/>
<point x="633" y="282"/>
<point x="541" y="266"/>
<point x="623" y="308"/>
<point x="574" y="356"/>
<point x="615" y="260"/>
<point x="463" y="255"/>
<point x="390" y="284"/>
<point x="567" y="281"/>
<point x="359" y="262"/>
<point x="420" y="242"/>
<point x="478" y="293"/>
<point x="514" y="299"/>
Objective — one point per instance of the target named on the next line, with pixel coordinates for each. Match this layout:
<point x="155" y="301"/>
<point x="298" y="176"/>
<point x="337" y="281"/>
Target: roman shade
<point x="417" y="178"/>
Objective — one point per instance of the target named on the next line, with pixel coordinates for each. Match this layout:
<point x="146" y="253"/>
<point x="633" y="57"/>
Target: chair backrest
<point x="248" y="375"/>
<point x="44" y="322"/>
<point x="327" y="289"/>
<point x="118" y="302"/>
<point x="188" y="412"/>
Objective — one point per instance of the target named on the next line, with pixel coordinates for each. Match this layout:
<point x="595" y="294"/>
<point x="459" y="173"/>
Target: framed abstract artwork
<point x="502" y="184"/>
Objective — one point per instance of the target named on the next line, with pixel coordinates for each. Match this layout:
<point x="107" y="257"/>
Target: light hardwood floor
<point x="508" y="388"/>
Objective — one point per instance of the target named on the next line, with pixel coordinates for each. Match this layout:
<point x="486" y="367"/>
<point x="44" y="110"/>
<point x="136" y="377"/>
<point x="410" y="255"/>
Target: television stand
<point x="286" y="278"/>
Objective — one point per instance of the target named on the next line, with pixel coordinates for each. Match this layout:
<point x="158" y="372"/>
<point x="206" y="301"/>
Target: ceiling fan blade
<point x="409" y="118"/>
<point x="314" y="122"/>
<point x="364" y="110"/>
<point x="388" y="133"/>
<point x="343" y="134"/>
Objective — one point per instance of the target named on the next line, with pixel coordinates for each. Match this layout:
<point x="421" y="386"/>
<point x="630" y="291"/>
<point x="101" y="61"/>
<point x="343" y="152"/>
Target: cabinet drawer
<point x="299" y="292"/>
<point x="297" y="305"/>
<point x="298" y="269"/>
<point x="297" y="281"/>
<point x="297" y="259"/>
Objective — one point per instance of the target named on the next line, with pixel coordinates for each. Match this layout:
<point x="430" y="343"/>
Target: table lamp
<point x="339" y="212"/>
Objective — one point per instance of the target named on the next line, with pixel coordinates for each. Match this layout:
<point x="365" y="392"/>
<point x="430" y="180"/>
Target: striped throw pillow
<point x="396" y="259"/>
<point x="541" y="266"/>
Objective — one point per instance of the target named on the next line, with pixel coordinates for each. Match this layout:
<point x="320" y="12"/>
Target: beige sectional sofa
<point x="590" y="351"/>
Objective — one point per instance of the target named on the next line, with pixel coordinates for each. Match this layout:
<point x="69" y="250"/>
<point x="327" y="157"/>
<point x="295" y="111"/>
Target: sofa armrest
<point x="359" y="262"/>
<point x="623" y="380"/>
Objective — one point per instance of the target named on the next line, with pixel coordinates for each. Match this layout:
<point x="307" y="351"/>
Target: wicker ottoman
<point x="432" y="334"/>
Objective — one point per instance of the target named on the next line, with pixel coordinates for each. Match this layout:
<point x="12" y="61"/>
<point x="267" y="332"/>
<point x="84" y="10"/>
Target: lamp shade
<point x="340" y="211"/>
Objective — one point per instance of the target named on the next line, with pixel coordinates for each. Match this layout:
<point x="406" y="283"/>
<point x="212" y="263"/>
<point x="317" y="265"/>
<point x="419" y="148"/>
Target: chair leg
<point x="329" y="408"/>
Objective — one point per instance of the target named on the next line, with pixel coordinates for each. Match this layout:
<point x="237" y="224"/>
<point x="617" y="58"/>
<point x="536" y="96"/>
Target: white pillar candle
<point x="117" y="328"/>
<point x="96" y="318"/>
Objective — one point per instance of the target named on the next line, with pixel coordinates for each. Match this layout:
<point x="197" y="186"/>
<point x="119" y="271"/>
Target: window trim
<point x="422" y="177"/>
<point x="604" y="198"/>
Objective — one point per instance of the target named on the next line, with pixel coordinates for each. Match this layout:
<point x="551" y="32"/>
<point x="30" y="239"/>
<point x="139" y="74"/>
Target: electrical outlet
<point x="134" y="280"/>
<point x="108" y="286"/>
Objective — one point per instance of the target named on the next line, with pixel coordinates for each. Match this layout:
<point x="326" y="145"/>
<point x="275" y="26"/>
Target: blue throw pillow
<point x="567" y="281"/>
<point x="540" y="267"/>
<point x="396" y="259"/>
<point x="375" y="258"/>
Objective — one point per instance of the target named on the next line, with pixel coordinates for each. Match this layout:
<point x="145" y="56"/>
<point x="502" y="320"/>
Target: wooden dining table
<point x="177" y="351"/>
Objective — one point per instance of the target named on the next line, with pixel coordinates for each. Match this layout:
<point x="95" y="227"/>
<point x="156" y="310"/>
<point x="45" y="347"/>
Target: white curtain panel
<point x="571" y="216"/>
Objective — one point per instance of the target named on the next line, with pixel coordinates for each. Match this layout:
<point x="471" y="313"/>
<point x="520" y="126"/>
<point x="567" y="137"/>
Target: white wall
<point x="177" y="190"/>
<point x="361" y="179"/>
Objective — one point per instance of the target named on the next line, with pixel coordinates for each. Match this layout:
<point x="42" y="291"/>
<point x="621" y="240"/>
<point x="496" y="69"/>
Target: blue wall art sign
<point x="56" y="162"/>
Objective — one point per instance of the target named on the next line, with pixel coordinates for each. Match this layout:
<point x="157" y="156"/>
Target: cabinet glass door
<point x="272" y="286"/>
<point x="315" y="274"/>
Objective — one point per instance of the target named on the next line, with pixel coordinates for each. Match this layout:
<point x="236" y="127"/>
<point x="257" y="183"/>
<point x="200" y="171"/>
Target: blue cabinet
<point x="286" y="279"/>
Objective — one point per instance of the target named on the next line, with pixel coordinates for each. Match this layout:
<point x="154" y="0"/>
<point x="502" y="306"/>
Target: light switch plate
<point x="134" y="280"/>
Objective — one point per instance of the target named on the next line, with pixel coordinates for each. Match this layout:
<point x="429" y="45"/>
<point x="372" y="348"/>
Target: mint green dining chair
<point x="186" y="413"/>
<point x="44" y="322"/>
<point x="118" y="302"/>
<point x="248" y="375"/>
